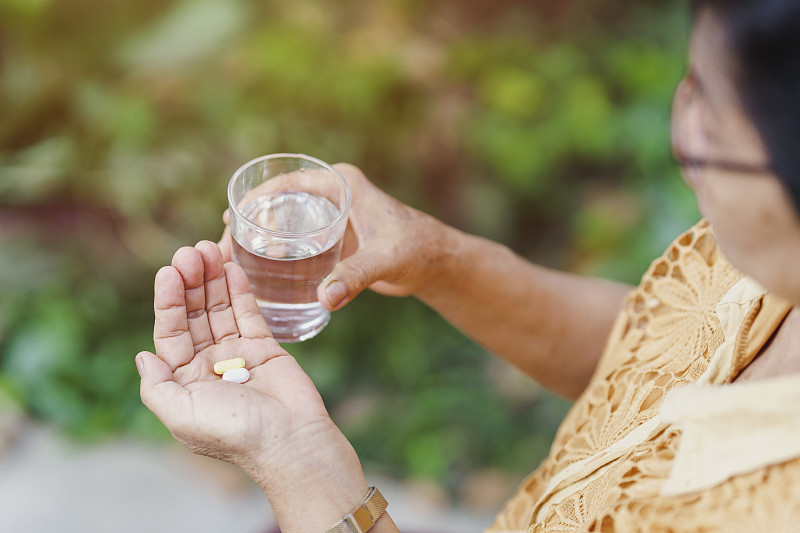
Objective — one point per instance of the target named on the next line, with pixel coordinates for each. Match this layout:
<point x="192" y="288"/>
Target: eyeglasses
<point x="728" y="166"/>
<point x="688" y="129"/>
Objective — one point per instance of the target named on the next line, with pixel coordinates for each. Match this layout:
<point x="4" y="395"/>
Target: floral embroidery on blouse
<point x="664" y="337"/>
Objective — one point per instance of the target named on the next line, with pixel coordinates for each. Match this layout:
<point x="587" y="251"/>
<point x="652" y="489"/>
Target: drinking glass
<point x="288" y="214"/>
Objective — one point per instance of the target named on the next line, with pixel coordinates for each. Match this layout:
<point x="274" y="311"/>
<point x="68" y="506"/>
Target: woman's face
<point x="753" y="218"/>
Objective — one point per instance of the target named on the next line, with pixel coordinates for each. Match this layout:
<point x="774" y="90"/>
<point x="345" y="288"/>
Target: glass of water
<point x="288" y="216"/>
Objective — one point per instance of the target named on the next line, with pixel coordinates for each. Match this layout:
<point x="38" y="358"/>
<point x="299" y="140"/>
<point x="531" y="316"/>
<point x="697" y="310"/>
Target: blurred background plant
<point x="542" y="125"/>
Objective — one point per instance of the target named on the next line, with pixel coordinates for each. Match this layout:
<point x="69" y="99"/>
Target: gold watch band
<point x="363" y="517"/>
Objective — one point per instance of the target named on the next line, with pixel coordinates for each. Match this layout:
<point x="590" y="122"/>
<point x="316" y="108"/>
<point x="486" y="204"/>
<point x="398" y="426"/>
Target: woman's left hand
<point x="274" y="426"/>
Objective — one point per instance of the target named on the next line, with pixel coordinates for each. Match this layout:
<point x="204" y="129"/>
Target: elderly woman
<point x="658" y="438"/>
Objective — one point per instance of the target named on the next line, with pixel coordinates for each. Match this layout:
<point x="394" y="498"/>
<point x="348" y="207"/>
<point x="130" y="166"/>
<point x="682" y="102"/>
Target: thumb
<point x="158" y="389"/>
<point x="351" y="276"/>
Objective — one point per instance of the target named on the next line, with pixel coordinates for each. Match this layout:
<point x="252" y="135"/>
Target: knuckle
<point x="361" y="275"/>
<point x="169" y="307"/>
<point x="196" y="313"/>
<point x="220" y="307"/>
<point x="351" y="171"/>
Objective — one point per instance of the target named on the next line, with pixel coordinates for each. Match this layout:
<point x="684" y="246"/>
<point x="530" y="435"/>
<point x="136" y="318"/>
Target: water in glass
<point x="284" y="273"/>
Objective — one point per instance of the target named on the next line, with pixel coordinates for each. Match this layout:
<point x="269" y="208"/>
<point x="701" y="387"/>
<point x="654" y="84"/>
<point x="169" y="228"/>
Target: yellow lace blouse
<point x="659" y="442"/>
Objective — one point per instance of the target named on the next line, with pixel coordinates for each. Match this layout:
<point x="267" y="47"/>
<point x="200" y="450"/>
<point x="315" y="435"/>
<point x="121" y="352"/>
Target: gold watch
<point x="363" y="517"/>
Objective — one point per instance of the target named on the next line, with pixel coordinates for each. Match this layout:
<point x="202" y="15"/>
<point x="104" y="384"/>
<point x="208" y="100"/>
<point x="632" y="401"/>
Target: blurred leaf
<point x="644" y="70"/>
<point x="521" y="154"/>
<point x="587" y="116"/>
<point x="28" y="8"/>
<point x="39" y="170"/>
<point x="126" y="119"/>
<point x="426" y="456"/>
<point x="291" y="56"/>
<point x="190" y="31"/>
<point x="562" y="62"/>
<point x="513" y="92"/>
<point x="42" y="355"/>
<point x="23" y="79"/>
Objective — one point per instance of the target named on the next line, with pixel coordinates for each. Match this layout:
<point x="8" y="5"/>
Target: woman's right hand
<point x="388" y="246"/>
<point x="533" y="317"/>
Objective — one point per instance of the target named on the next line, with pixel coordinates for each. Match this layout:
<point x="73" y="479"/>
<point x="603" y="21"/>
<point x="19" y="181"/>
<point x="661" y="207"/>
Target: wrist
<point x="453" y="269"/>
<point x="319" y="471"/>
<point x="442" y="261"/>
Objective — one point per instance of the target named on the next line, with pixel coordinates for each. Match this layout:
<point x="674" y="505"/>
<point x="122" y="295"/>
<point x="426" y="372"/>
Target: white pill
<point x="236" y="375"/>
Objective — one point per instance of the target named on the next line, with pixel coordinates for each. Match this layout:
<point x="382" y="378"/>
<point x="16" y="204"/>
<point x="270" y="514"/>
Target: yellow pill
<point x="221" y="367"/>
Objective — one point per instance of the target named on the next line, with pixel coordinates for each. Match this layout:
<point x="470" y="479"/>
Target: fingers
<point x="171" y="335"/>
<point x="208" y="307"/>
<point x="189" y="264"/>
<point x="362" y="264"/>
<point x="218" y="303"/>
<point x="351" y="276"/>
<point x="248" y="317"/>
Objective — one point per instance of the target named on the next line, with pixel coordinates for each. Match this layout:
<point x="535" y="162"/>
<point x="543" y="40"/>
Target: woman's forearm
<point x="549" y="324"/>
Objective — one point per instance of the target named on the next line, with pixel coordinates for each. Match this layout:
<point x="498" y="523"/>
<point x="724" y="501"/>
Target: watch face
<point x="361" y="520"/>
<point x="363" y="517"/>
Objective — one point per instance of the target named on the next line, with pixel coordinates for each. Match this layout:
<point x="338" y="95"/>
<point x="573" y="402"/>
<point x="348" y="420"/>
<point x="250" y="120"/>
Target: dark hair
<point x="764" y="39"/>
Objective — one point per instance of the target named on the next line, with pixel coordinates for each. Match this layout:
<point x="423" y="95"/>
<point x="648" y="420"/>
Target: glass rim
<point x="289" y="234"/>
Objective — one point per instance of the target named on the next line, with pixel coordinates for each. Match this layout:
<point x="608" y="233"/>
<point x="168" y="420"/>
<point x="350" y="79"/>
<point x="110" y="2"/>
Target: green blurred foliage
<point x="541" y="125"/>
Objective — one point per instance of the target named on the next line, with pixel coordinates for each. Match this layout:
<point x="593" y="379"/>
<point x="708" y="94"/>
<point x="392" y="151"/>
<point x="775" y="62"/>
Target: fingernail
<point x="139" y="365"/>
<point x="337" y="292"/>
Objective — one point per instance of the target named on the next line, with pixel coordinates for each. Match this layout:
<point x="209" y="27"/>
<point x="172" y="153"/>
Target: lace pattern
<point x="663" y="338"/>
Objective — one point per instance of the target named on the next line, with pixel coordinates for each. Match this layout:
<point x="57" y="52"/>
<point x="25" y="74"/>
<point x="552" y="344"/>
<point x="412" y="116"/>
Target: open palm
<point x="204" y="313"/>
